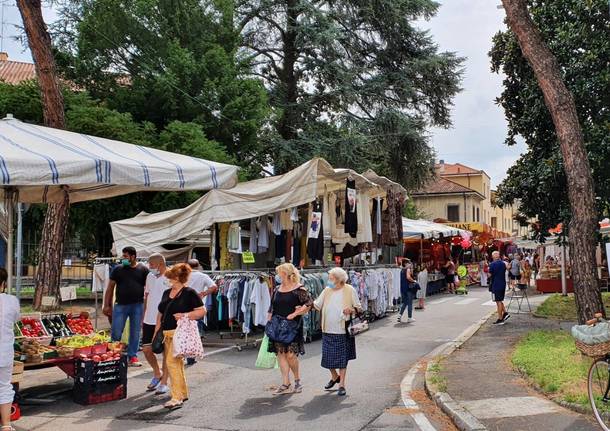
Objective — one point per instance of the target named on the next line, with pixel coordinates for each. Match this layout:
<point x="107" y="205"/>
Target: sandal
<point x="282" y="390"/>
<point x="154" y="383"/>
<point x="298" y="387"/>
<point x="7" y="428"/>
<point x="173" y="405"/>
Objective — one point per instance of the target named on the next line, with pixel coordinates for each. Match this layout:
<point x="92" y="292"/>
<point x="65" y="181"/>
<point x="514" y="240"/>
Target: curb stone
<point x="461" y="417"/>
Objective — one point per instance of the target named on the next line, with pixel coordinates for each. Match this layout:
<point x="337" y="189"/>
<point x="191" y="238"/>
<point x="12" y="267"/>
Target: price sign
<point x="48" y="301"/>
<point x="247" y="257"/>
<point x="67" y="293"/>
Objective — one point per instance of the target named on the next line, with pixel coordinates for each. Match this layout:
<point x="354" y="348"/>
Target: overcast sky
<point x="464" y="26"/>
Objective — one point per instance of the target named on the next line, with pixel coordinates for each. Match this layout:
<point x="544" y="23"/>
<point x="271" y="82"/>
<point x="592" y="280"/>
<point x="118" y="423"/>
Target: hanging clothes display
<point x="350" y="204"/>
<point x="365" y="231"/>
<point x="315" y="237"/>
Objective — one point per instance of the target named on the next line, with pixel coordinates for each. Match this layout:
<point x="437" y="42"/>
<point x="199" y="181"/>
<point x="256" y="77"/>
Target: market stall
<point x="45" y="165"/>
<point x="431" y="245"/>
<point x="312" y="216"/>
<point x="42" y="164"/>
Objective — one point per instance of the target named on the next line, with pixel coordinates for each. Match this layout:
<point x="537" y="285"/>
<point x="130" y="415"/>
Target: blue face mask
<point x="154" y="272"/>
<point x="125" y="262"/>
<point x="331" y="284"/>
<point x="278" y="279"/>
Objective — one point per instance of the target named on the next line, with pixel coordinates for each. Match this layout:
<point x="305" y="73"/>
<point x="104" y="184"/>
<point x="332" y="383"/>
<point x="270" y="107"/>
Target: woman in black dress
<point x="290" y="300"/>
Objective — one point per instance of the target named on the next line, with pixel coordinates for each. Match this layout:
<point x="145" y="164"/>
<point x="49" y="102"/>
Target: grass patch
<point x="436" y="378"/>
<point x="562" y="307"/>
<point x="81" y="293"/>
<point x="551" y="360"/>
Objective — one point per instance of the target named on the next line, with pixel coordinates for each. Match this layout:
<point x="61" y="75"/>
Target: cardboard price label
<point x="247" y="257"/>
<point x="67" y="293"/>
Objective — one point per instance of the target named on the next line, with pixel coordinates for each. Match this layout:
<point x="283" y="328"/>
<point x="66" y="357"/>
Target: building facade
<point x="461" y="194"/>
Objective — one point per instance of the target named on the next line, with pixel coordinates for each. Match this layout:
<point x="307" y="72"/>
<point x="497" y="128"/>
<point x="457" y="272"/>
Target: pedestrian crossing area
<point x="462" y="300"/>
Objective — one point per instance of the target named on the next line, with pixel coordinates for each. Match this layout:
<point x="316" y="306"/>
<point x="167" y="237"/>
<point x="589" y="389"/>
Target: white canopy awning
<point x="244" y="201"/>
<point x="423" y="229"/>
<point x="38" y="161"/>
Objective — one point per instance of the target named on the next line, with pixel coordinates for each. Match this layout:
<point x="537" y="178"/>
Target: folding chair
<point x="519" y="296"/>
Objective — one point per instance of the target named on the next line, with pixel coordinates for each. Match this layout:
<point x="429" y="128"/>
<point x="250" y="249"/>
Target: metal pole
<point x="19" y="248"/>
<point x="421" y="251"/>
<point x="564" y="284"/>
<point x="10" y="248"/>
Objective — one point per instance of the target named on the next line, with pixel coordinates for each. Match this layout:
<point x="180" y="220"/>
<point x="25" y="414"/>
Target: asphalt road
<point x="228" y="393"/>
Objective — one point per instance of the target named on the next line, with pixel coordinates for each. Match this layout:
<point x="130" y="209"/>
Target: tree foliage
<point x="578" y="34"/>
<point x="354" y="81"/>
<point x="164" y="61"/>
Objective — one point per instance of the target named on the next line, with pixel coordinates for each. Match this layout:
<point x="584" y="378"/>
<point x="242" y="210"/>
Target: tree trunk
<point x="289" y="122"/>
<point x="48" y="275"/>
<point x="560" y="103"/>
<point x="51" y="247"/>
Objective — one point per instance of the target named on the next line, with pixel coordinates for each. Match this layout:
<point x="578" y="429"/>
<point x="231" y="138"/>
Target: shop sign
<point x="247" y="257"/>
<point x="472" y="227"/>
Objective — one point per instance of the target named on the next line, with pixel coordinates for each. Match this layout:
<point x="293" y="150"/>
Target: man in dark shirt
<point x="497" y="286"/>
<point x="129" y="279"/>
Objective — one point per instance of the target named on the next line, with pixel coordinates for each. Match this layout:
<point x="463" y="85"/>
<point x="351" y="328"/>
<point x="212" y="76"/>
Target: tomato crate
<point x="99" y="393"/>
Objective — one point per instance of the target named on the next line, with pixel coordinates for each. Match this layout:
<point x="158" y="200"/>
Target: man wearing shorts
<point x="156" y="284"/>
<point x="497" y="286"/>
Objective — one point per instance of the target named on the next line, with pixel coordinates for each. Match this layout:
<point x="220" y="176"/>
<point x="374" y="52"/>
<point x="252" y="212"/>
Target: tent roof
<point x="38" y="161"/>
<point x="244" y="201"/>
<point x="423" y="229"/>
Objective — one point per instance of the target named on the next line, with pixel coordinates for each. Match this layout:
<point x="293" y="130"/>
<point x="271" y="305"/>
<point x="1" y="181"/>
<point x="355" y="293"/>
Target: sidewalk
<point x="480" y="378"/>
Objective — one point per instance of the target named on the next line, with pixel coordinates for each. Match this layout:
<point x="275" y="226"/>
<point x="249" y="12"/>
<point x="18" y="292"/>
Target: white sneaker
<point x="410" y="320"/>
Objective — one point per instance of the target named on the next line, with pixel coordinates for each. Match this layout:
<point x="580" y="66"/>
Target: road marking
<point x="406" y="385"/>
<point x="489" y="303"/>
<point x="493" y="408"/>
<point x="440" y="301"/>
<point x="467" y="301"/>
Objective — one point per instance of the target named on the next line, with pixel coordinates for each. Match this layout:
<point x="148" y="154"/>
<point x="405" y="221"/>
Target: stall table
<point x="553" y="285"/>
<point x="436" y="284"/>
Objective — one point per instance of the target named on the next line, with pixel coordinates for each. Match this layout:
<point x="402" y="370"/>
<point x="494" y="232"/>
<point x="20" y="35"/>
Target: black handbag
<point x="281" y="330"/>
<point x="158" y="341"/>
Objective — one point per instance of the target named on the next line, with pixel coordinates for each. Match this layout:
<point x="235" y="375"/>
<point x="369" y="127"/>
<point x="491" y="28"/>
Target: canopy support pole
<point x="10" y="247"/>
<point x="421" y="251"/>
<point x="18" y="279"/>
<point x="564" y="283"/>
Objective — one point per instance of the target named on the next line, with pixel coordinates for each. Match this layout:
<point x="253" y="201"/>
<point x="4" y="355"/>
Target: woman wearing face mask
<point x="337" y="303"/>
<point x="9" y="314"/>
<point x="177" y="302"/>
<point x="289" y="301"/>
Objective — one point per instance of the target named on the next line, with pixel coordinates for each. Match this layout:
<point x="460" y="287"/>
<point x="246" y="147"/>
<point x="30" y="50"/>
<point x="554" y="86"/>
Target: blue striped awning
<point x="38" y="161"/>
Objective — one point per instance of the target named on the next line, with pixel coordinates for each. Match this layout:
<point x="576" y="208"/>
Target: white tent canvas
<point x="244" y="201"/>
<point x="423" y="229"/>
<point x="38" y="161"/>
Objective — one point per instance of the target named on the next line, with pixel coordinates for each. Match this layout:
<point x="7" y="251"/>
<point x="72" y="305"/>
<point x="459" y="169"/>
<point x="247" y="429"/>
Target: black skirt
<point x="337" y="350"/>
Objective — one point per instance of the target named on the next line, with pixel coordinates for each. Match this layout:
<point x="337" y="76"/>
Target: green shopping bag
<point x="264" y="358"/>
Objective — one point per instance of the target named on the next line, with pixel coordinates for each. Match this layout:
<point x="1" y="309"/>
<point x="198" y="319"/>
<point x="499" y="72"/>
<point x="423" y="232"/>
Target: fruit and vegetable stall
<point x="69" y="342"/>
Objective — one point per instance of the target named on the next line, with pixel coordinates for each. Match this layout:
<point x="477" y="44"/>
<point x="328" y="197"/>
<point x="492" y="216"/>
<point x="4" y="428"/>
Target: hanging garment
<point x="234" y="238"/>
<point x="365" y="231"/>
<point x="253" y="236"/>
<point x="285" y="220"/>
<point x="280" y="245"/>
<point x="294" y="214"/>
<point x="225" y="261"/>
<point x="276" y="224"/>
<point x="262" y="225"/>
<point x="351" y="203"/>
<point x="101" y="275"/>
<point x="315" y="242"/>
<point x="262" y="299"/>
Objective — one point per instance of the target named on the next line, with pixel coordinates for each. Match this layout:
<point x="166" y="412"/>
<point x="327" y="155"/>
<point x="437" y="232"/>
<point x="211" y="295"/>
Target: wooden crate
<point x="18" y="368"/>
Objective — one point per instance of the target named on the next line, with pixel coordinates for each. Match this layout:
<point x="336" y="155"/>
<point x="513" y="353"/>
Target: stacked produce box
<point x="100" y="378"/>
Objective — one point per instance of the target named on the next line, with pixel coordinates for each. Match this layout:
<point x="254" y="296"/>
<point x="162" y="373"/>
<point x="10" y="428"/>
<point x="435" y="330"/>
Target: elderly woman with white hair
<point x="337" y="303"/>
